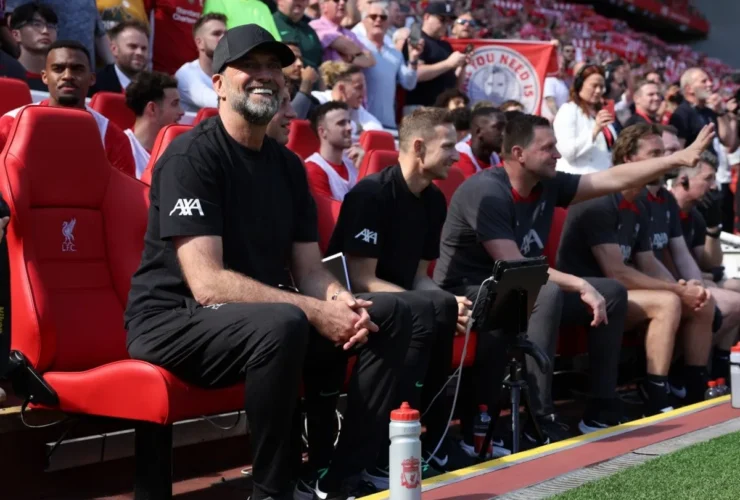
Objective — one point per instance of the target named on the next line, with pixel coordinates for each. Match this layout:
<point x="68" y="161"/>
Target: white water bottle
<point x="735" y="375"/>
<point x="404" y="472"/>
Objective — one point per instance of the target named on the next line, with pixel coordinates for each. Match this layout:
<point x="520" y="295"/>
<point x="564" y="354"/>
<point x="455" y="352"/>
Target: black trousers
<point x="552" y="309"/>
<point x="371" y="395"/>
<point x="266" y="345"/>
<point x="427" y="363"/>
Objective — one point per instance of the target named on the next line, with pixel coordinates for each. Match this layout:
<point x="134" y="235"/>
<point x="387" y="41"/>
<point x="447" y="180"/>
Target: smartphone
<point x="609" y="106"/>
<point x="415" y="34"/>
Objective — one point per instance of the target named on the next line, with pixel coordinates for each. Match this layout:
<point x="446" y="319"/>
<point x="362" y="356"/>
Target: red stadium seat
<point x="377" y="139"/>
<point x="165" y="136"/>
<point x="556" y="230"/>
<point x="455" y="177"/>
<point x="375" y="161"/>
<point x="13" y="94"/>
<point x="327" y="211"/>
<point x="74" y="240"/>
<point x="301" y="139"/>
<point x="204" y="113"/>
<point x="112" y="105"/>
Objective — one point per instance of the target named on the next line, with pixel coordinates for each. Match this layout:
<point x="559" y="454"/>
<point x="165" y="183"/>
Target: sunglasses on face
<point x="468" y="22"/>
<point x="375" y="17"/>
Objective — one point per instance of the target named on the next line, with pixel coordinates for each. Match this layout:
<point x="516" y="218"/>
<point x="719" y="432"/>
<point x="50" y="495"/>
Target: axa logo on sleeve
<point x="187" y="206"/>
<point x="367" y="236"/>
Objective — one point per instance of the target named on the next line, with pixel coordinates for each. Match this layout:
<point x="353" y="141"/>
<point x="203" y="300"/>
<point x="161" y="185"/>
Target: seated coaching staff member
<point x="389" y="229"/>
<point x="610" y="237"/>
<point x="506" y="214"/>
<point x="230" y="209"/>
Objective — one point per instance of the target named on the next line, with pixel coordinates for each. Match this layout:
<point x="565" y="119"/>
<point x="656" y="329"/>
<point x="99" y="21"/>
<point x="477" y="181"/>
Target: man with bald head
<point x="697" y="110"/>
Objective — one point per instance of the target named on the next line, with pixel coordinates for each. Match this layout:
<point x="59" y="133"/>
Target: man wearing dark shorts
<point x="506" y="214"/>
<point x="389" y="229"/>
<point x="231" y="218"/>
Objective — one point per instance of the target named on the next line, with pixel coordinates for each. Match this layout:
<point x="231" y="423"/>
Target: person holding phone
<point x="585" y="126"/>
<point x="439" y="67"/>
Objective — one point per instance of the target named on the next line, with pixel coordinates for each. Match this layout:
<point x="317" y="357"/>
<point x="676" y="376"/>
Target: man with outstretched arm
<point x="506" y="214"/>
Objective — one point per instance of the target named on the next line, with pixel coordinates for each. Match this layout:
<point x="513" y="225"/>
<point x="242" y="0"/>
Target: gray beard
<point x="256" y="114"/>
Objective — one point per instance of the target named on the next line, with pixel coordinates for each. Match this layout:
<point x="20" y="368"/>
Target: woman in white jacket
<point x="585" y="132"/>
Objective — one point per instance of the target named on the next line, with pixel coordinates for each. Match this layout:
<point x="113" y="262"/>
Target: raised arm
<point x="639" y="173"/>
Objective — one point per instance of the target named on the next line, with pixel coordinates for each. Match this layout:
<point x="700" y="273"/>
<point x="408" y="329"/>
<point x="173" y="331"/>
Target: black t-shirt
<point x="694" y="228"/>
<point x="689" y="121"/>
<point x="425" y="93"/>
<point x="382" y="219"/>
<point x="601" y="221"/>
<point x="207" y="184"/>
<point x="10" y="67"/>
<point x="663" y="219"/>
<point x="484" y="208"/>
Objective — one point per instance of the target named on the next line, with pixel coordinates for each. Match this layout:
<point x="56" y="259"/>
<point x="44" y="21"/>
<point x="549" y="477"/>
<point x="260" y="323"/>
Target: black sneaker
<point x="449" y="456"/>
<point x="602" y="415"/>
<point x="552" y="428"/>
<point x="357" y="489"/>
<point x="657" y="397"/>
<point x="499" y="448"/>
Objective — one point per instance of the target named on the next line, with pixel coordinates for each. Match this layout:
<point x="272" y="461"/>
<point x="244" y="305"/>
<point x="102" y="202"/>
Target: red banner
<point x="502" y="70"/>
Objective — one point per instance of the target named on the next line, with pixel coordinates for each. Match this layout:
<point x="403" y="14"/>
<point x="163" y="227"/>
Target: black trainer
<point x="357" y="489"/>
<point x="657" y="397"/>
<point x="601" y="415"/>
<point x="552" y="428"/>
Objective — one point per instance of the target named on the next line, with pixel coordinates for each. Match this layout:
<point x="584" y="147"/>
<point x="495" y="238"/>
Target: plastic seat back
<point x="74" y="240"/>
<point x="203" y="114"/>
<point x="13" y="94"/>
<point x="165" y="136"/>
<point x="377" y="160"/>
<point x="327" y="212"/>
<point x="377" y="139"/>
<point x="112" y="105"/>
<point x="455" y="177"/>
<point x="301" y="139"/>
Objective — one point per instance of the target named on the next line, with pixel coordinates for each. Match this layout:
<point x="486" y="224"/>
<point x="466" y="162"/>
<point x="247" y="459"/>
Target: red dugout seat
<point x="455" y="177"/>
<point x="327" y="211"/>
<point x="74" y="240"/>
<point x="204" y="113"/>
<point x="301" y="139"/>
<point x="112" y="105"/>
<point x="13" y="94"/>
<point x="165" y="136"/>
<point x="377" y="139"/>
<point x="375" y="161"/>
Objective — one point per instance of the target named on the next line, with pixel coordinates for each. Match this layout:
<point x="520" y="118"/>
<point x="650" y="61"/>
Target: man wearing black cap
<point x="230" y="221"/>
<point x="439" y="67"/>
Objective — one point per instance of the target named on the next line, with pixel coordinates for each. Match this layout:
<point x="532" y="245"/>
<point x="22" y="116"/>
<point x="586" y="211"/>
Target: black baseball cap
<point x="442" y="9"/>
<point x="241" y="40"/>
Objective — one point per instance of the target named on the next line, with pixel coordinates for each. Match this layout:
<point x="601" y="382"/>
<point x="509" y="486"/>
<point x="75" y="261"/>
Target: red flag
<point x="502" y="70"/>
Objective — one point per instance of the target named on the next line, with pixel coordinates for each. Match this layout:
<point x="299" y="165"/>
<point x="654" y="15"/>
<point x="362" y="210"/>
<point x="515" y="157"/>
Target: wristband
<point x="714" y="234"/>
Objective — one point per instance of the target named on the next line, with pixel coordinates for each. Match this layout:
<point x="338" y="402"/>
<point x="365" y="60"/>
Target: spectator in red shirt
<point x="332" y="172"/>
<point x="68" y="76"/>
<point x="34" y="28"/>
<point x="171" y="24"/>
<point x="486" y="137"/>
